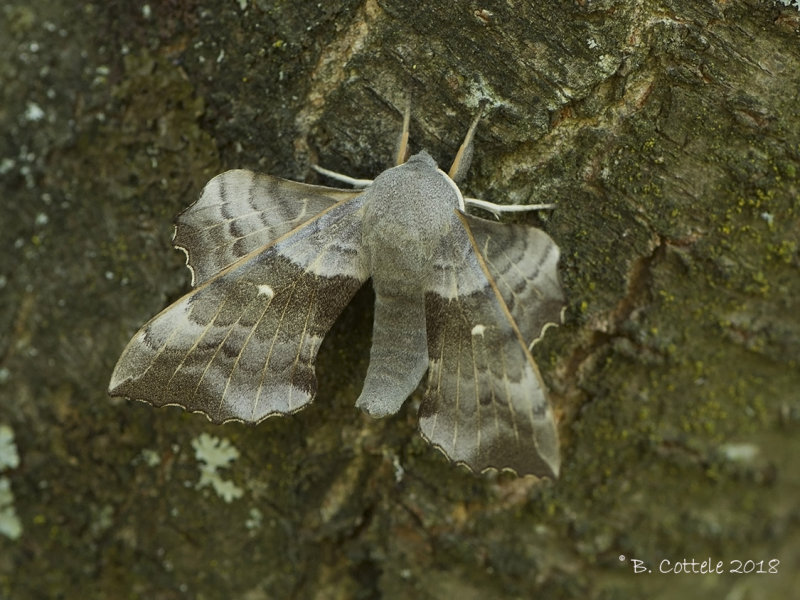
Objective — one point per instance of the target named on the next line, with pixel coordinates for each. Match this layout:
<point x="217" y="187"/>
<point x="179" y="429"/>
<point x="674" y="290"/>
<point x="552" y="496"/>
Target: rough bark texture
<point x="668" y="134"/>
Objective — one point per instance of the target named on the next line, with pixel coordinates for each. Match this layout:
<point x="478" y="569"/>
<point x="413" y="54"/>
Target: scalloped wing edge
<point x="220" y="421"/>
<point x="488" y="469"/>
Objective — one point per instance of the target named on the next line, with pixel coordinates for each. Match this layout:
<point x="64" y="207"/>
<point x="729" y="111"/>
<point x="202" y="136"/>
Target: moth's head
<point x="421" y="172"/>
<point x="422" y="160"/>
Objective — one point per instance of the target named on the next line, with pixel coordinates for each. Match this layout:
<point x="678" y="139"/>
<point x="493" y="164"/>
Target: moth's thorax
<point x="408" y="210"/>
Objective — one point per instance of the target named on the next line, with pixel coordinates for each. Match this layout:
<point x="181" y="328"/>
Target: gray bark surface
<point x="668" y="135"/>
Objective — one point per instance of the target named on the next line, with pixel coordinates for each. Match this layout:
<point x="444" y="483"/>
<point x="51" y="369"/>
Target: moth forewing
<point x="242" y="345"/>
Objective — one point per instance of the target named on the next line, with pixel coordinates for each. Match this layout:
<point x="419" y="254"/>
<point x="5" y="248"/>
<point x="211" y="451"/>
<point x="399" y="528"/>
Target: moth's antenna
<point x="464" y="156"/>
<point x="402" y="144"/>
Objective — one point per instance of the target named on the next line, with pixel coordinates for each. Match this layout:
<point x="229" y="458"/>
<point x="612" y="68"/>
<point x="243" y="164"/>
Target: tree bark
<point x="668" y="136"/>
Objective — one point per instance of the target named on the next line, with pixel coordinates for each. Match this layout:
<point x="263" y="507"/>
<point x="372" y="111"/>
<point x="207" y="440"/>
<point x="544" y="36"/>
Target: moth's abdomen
<point x="399" y="354"/>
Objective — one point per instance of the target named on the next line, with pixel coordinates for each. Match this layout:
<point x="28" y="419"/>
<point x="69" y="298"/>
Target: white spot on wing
<point x="478" y="329"/>
<point x="265" y="290"/>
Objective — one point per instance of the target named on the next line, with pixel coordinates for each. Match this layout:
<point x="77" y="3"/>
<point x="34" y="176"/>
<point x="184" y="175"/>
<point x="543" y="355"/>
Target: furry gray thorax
<point x="408" y="211"/>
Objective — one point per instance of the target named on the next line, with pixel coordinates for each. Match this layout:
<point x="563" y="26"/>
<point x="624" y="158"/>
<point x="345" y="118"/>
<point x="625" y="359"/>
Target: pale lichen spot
<point x="478" y="329"/>
<point x="10" y="524"/>
<point x="9" y="457"/>
<point x="150" y="457"/>
<point x="255" y="520"/>
<point x="33" y="112"/>
<point x="265" y="290"/>
<point x="214" y="453"/>
<point x="743" y="453"/>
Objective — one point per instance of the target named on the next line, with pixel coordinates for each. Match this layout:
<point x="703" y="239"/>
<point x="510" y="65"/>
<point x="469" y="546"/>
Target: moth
<point x="274" y="262"/>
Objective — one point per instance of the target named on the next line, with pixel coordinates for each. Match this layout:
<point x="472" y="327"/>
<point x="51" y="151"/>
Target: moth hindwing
<point x="273" y="264"/>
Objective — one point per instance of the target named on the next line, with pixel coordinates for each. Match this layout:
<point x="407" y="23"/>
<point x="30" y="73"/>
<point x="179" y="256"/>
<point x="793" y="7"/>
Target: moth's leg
<point x="401" y="155"/>
<point x="464" y="156"/>
<point x="498" y="209"/>
<point x="359" y="183"/>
